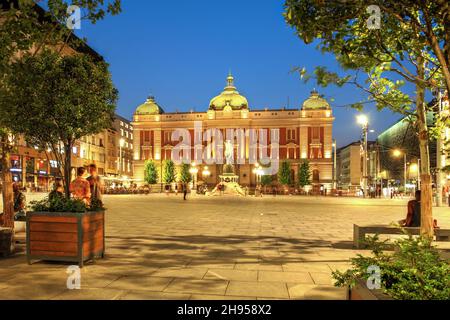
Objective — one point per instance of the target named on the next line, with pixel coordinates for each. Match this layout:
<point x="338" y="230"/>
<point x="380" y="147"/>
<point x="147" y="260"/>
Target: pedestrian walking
<point x="184" y="187"/>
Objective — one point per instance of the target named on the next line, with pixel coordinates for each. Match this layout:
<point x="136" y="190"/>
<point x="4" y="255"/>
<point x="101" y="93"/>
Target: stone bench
<point x="359" y="233"/>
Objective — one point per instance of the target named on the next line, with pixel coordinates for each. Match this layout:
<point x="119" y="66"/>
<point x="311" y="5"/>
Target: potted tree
<point x="284" y="176"/>
<point x="414" y="271"/>
<point x="26" y="29"/>
<point x="150" y="173"/>
<point x="169" y="175"/>
<point x="57" y="101"/>
<point x="304" y="175"/>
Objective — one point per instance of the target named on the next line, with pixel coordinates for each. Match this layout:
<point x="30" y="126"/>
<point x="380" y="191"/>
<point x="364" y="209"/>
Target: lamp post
<point x="419" y="170"/>
<point x="206" y="173"/>
<point x="335" y="165"/>
<point x="193" y="171"/>
<point x="398" y="153"/>
<point x="121" y="145"/>
<point x="259" y="172"/>
<point x="364" y="122"/>
<point x="439" y="154"/>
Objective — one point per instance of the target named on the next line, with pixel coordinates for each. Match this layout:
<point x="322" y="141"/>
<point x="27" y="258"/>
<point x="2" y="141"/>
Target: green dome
<point x="229" y="97"/>
<point x="149" y="107"/>
<point x="316" y="102"/>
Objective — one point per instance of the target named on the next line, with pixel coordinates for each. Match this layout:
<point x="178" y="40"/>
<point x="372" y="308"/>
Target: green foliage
<point x="169" y="175"/>
<point x="386" y="58"/>
<point x="414" y="271"/>
<point x="284" y="175"/>
<point x="56" y="100"/>
<point x="184" y="174"/>
<point x="150" y="172"/>
<point x="304" y="174"/>
<point x="58" y="204"/>
<point x="266" y="180"/>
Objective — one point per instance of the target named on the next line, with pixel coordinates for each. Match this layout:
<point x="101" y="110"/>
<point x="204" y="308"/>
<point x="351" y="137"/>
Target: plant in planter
<point x="414" y="271"/>
<point x="61" y="229"/>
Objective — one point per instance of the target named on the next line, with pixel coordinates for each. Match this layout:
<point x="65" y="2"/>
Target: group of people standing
<point x="90" y="189"/>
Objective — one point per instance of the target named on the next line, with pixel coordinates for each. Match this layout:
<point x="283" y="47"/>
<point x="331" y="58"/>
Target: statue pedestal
<point x="229" y="181"/>
<point x="229" y="178"/>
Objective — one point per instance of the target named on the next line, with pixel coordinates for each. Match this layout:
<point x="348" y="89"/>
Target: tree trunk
<point x="7" y="190"/>
<point x="67" y="168"/>
<point x="426" y="226"/>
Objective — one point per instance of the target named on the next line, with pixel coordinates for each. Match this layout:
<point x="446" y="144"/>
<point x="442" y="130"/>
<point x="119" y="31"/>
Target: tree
<point x="29" y="28"/>
<point x="266" y="180"/>
<point x="6" y="145"/>
<point x="184" y="174"/>
<point x="388" y="57"/>
<point x="56" y="100"/>
<point x="150" y="172"/>
<point x="304" y="174"/>
<point x="169" y="171"/>
<point x="284" y="175"/>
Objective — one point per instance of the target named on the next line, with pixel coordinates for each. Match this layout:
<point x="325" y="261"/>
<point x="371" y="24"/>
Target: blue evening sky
<point x="181" y="52"/>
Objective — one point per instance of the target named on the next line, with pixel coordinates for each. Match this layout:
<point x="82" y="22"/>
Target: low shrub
<point x="62" y="204"/>
<point x="414" y="271"/>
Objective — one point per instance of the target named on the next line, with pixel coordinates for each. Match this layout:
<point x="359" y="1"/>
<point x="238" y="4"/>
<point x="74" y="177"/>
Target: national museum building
<point x="304" y="134"/>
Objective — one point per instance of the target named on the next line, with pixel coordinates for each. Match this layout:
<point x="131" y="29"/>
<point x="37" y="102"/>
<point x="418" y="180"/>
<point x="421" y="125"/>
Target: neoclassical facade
<point x="304" y="134"/>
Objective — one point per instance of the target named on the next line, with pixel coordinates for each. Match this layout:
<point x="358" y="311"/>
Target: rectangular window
<point x="316" y="133"/>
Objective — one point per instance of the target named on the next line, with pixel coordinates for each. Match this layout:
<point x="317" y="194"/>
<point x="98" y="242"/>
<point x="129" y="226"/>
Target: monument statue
<point x="229" y="152"/>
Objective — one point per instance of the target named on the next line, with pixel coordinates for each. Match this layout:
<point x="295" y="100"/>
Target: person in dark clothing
<point x="413" y="216"/>
<point x="184" y="186"/>
<point x="19" y="203"/>
<point x="57" y="192"/>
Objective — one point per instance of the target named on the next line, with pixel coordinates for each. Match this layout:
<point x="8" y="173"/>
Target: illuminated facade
<point x="304" y="134"/>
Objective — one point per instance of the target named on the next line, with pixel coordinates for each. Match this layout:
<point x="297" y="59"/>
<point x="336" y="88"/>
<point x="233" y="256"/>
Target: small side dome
<point x="229" y="98"/>
<point x="316" y="102"/>
<point x="150" y="107"/>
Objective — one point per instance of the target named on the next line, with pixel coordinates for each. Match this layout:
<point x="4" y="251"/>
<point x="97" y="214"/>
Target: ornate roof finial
<point x="230" y="79"/>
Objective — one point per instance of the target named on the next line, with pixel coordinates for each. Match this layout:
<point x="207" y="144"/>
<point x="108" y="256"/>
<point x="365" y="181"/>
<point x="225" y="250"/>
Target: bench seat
<point x="359" y="233"/>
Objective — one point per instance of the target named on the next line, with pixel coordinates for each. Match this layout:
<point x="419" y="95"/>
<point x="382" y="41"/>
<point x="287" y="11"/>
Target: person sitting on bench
<point x="413" y="215"/>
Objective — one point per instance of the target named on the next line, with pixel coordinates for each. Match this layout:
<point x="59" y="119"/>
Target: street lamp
<point x="398" y="153"/>
<point x="364" y="122"/>
<point x="193" y="171"/>
<point x="121" y="144"/>
<point x="206" y="173"/>
<point x="258" y="172"/>
<point x="335" y="165"/>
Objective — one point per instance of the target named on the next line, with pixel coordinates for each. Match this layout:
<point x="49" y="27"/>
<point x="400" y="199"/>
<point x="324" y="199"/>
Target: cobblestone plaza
<point x="161" y="247"/>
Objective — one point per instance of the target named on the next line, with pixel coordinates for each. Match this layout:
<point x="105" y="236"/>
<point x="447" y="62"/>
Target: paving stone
<point x="235" y="275"/>
<point x="190" y="273"/>
<point x="140" y="283"/>
<point x="157" y="243"/>
<point x="90" y="294"/>
<point x="215" y="287"/>
<point x="150" y="295"/>
<point x="273" y="276"/>
<point x="322" y="278"/>
<point x="258" y="289"/>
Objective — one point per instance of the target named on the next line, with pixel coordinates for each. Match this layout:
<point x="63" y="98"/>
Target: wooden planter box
<point x="361" y="292"/>
<point x="70" y="237"/>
